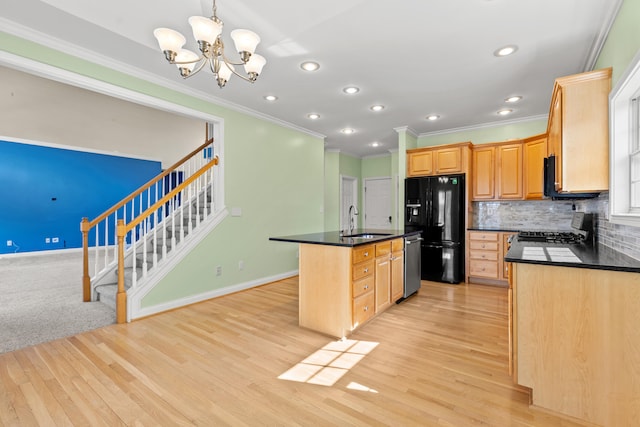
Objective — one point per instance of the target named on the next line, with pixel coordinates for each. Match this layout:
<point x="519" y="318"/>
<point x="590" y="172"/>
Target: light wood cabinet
<point x="486" y="253"/>
<point x="509" y="171"/>
<point x="497" y="171"/>
<point x="534" y="152"/>
<point x="438" y="160"/>
<point x="397" y="269"/>
<point x="420" y="163"/>
<point x="575" y="341"/>
<point x="383" y="276"/>
<point x="483" y="176"/>
<point x="340" y="287"/>
<point x="579" y="124"/>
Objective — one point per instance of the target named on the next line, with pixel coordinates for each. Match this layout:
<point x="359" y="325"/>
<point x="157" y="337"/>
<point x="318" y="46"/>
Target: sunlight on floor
<point x="327" y="365"/>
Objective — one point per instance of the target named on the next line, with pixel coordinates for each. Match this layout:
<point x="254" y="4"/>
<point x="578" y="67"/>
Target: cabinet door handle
<point x="366" y="308"/>
<point x="366" y="254"/>
<point x="366" y="270"/>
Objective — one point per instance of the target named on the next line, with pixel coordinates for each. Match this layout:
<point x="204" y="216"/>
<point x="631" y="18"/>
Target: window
<point x="624" y="121"/>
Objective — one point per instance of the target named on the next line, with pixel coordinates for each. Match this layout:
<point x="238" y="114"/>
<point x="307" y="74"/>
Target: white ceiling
<point x="416" y="57"/>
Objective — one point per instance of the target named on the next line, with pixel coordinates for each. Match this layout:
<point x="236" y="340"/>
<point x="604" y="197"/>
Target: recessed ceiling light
<point x="310" y="66"/>
<point x="507" y="50"/>
<point x="377" y="107"/>
<point x="351" y="90"/>
<point x="375" y="144"/>
<point x="313" y="116"/>
<point x="433" y="117"/>
<point x="512" y="99"/>
<point x="505" y="111"/>
<point x="348" y="131"/>
<point x="271" y="98"/>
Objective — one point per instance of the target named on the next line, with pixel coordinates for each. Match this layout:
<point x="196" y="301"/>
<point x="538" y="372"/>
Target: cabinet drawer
<point x="363" y="285"/>
<point x="488" y="269"/>
<point x="363" y="308"/>
<point x="363" y="253"/>
<point x="397" y="245"/>
<point x="486" y="246"/>
<point x="383" y="248"/>
<point x="363" y="269"/>
<point x="490" y="237"/>
<point x="483" y="255"/>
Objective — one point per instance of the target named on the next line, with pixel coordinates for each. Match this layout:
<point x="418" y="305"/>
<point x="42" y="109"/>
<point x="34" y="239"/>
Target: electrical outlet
<point x="47" y="240"/>
<point x="240" y="265"/>
<point x="55" y="240"/>
<point x="9" y="242"/>
<point x="219" y="270"/>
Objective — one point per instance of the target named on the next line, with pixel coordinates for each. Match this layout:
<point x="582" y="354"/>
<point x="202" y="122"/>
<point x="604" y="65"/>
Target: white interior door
<point x="377" y="203"/>
<point x="348" y="197"/>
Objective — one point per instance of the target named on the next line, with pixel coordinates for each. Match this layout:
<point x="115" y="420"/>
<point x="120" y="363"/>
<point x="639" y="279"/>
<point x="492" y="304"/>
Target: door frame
<point x="364" y="199"/>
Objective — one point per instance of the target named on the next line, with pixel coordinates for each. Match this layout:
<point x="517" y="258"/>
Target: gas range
<point x="565" y="237"/>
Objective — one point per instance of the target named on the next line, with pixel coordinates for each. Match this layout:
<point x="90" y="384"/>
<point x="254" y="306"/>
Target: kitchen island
<point x="345" y="280"/>
<point x="575" y="341"/>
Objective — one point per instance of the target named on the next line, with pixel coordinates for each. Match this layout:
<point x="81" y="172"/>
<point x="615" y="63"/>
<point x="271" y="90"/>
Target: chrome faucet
<point x="353" y="211"/>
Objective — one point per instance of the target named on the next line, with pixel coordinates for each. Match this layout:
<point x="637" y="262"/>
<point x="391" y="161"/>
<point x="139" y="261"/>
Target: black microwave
<point x="550" y="183"/>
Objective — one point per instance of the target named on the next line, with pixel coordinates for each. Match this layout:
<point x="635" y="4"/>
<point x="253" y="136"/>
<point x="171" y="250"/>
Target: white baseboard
<point x="159" y="308"/>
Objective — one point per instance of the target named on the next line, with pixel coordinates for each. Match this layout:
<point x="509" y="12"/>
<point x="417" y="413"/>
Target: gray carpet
<point x="41" y="300"/>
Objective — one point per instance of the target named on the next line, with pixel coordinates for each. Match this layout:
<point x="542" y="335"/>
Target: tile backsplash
<point x="554" y="215"/>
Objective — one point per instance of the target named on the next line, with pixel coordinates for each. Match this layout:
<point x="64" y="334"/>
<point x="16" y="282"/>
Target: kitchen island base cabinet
<point x="577" y="342"/>
<point x="340" y="288"/>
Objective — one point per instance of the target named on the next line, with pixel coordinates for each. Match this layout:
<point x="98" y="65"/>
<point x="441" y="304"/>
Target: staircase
<point x="147" y="232"/>
<point x="169" y="237"/>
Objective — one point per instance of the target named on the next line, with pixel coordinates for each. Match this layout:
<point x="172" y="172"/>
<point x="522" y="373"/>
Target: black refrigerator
<point x="435" y="206"/>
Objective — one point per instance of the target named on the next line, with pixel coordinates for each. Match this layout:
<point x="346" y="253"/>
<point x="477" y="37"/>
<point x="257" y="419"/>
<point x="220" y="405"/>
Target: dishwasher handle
<point x="408" y="242"/>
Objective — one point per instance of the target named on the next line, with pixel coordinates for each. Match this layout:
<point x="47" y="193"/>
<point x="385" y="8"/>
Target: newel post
<point x="121" y="296"/>
<point x="86" y="279"/>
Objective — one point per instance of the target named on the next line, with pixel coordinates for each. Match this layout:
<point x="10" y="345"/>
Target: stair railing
<point x="103" y="228"/>
<point x="183" y="204"/>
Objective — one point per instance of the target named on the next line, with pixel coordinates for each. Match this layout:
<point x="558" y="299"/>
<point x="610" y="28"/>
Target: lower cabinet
<point x="486" y="252"/>
<point x="340" y="288"/>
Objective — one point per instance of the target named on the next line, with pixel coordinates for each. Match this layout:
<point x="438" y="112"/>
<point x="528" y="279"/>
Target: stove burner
<point x="550" y="237"/>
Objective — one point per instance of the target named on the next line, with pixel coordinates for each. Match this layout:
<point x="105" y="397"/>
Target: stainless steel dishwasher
<point x="412" y="264"/>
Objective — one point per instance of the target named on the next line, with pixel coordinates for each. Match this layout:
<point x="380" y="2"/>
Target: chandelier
<point x="208" y="34"/>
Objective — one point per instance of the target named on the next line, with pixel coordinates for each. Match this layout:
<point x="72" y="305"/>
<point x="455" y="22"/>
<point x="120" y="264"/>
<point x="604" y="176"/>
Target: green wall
<point x="487" y="134"/>
<point x="332" y="190"/>
<point x="378" y="166"/>
<point x="277" y="196"/>
<point x="623" y="41"/>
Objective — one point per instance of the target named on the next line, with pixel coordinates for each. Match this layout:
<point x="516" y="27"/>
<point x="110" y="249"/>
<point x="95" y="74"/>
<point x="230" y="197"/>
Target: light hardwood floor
<point x="439" y="358"/>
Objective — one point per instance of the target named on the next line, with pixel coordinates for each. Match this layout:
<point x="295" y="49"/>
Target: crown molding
<point x="600" y="39"/>
<point x="40" y="38"/>
<point x="375" y="156"/>
<point x="406" y="129"/>
<point x="485" y="125"/>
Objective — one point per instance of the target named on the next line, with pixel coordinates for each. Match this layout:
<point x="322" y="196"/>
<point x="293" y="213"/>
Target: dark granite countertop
<point x="333" y="238"/>
<point x="598" y="257"/>
<point x="500" y="230"/>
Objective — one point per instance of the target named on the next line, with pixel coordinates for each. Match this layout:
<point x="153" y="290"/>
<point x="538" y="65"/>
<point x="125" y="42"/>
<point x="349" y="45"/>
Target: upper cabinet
<point x="533" y="154"/>
<point x="483" y="167"/>
<point x="578" y="131"/>
<point x="509" y="171"/>
<point x="439" y="160"/>
<point x="497" y="171"/>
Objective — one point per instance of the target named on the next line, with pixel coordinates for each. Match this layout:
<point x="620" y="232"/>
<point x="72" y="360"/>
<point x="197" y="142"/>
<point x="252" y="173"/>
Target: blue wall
<point x="45" y="192"/>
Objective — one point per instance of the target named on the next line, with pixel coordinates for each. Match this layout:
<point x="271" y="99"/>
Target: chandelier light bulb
<point x="186" y="61"/>
<point x="169" y="40"/>
<point x="205" y="29"/>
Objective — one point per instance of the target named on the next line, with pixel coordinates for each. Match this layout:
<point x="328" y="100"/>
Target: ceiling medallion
<point x="208" y="34"/>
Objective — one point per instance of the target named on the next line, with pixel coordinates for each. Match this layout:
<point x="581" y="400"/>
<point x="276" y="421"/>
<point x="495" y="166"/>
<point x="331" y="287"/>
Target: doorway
<point x="377" y="203"/>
